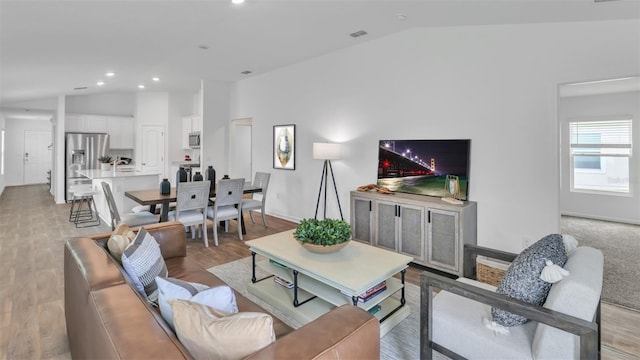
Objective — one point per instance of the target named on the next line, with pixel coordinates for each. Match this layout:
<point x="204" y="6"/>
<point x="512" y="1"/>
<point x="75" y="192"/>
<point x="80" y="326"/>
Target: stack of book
<point x="283" y="282"/>
<point x="374" y="310"/>
<point x="278" y="264"/>
<point x="369" y="294"/>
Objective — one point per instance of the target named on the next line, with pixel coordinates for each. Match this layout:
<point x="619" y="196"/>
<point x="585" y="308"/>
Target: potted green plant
<point x="323" y="236"/>
<point x="105" y="162"/>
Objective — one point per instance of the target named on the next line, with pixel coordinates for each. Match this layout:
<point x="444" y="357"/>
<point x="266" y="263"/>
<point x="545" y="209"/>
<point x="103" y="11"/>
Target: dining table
<point x="153" y="198"/>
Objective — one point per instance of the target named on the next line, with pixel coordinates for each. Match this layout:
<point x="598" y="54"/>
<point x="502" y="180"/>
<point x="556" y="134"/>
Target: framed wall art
<point x="284" y="147"/>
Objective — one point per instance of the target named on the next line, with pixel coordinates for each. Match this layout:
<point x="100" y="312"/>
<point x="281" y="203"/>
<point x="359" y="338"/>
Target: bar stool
<point x="82" y="194"/>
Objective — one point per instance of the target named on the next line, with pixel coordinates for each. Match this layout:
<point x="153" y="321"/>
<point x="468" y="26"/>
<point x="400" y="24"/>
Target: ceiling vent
<point x="246" y="72"/>
<point x="358" y="34"/>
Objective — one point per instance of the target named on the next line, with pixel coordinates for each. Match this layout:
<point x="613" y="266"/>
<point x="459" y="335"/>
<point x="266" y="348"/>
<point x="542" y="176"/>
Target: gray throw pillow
<point x="142" y="260"/>
<point x="522" y="279"/>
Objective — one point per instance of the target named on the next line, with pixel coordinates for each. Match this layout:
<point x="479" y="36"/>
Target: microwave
<point x="194" y="140"/>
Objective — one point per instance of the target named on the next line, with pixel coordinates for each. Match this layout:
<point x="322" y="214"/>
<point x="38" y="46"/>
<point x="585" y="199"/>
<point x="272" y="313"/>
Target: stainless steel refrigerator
<point x="82" y="153"/>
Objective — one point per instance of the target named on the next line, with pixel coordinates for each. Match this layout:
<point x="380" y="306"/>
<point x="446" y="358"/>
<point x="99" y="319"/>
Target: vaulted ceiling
<point x="48" y="48"/>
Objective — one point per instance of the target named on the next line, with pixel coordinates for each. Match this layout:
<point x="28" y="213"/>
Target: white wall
<point x="117" y="104"/>
<point x="14" y="168"/>
<point x="2" y="127"/>
<point x="493" y="84"/>
<point x="216" y="123"/>
<point x="59" y="146"/>
<point x="607" y="207"/>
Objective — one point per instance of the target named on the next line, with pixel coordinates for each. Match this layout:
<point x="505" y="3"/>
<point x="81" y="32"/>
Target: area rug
<point x="620" y="244"/>
<point x="402" y="342"/>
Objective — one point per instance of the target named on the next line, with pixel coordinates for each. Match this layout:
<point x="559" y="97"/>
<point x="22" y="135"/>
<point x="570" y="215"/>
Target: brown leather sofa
<point x="107" y="319"/>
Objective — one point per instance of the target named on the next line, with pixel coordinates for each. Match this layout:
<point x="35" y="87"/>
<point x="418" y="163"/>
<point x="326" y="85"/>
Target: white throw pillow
<point x="219" y="297"/>
<point x="209" y="334"/>
<point x="143" y="262"/>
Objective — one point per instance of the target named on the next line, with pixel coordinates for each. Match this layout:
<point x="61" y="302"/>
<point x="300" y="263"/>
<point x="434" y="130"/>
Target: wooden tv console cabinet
<point x="430" y="230"/>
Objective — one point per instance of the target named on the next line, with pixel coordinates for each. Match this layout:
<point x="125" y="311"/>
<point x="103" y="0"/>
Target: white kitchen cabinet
<point x="196" y="123"/>
<point x="74" y="123"/>
<point x="121" y="132"/>
<point x="186" y="129"/>
<point x="85" y="123"/>
<point x="120" y="128"/>
<point x="430" y="230"/>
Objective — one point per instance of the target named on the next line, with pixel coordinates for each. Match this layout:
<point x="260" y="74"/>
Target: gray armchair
<point x="566" y="327"/>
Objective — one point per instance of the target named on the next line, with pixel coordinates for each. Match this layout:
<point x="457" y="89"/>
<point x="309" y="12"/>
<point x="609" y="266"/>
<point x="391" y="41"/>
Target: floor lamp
<point x="327" y="152"/>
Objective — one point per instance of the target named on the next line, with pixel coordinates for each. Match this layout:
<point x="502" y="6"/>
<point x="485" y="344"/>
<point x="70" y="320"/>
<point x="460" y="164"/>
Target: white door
<point x="36" y="156"/>
<point x="240" y="164"/>
<point x="153" y="148"/>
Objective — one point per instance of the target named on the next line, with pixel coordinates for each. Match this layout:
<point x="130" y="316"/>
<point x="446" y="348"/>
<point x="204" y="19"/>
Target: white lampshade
<point x="327" y="151"/>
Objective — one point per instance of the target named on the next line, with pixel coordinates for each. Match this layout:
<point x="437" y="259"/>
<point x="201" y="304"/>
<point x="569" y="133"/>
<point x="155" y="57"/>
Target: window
<point x="601" y="155"/>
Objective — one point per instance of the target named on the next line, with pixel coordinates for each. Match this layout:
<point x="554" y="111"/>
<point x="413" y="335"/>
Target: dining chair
<point x="131" y="219"/>
<point x="191" y="207"/>
<point x="258" y="200"/>
<point x="227" y="205"/>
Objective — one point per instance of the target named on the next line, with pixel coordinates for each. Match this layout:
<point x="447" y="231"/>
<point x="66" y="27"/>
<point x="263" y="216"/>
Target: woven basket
<point x="490" y="271"/>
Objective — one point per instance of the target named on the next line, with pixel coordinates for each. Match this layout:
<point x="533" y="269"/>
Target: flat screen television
<point x="421" y="166"/>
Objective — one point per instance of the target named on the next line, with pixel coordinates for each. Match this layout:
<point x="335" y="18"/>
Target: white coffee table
<point x="324" y="281"/>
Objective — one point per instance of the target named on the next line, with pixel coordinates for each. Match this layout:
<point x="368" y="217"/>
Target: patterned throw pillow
<point x="142" y="260"/>
<point x="209" y="334"/>
<point x="522" y="279"/>
<point x="219" y="297"/>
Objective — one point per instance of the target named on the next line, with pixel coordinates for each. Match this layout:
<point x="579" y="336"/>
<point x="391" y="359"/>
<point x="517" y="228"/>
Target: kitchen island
<point x="120" y="181"/>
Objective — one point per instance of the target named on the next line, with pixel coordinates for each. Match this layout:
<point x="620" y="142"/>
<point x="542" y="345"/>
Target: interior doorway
<point x="152" y="148"/>
<point x="599" y="166"/>
<point x="36" y="156"/>
<point x="240" y="164"/>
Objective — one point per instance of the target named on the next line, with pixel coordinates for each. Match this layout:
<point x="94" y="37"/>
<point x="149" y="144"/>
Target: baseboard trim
<point x="284" y="217"/>
<point x="603" y="218"/>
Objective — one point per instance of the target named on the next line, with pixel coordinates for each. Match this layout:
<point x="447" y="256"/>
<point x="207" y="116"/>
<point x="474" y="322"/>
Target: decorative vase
<point x="181" y="176"/>
<point x="211" y="176"/>
<point x="165" y="187"/>
<point x="321" y="249"/>
<point x="105" y="166"/>
<point x="198" y="176"/>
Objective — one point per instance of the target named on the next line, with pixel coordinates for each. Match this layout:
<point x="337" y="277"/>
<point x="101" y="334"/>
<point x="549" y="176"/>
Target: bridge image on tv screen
<point x="421" y="166"/>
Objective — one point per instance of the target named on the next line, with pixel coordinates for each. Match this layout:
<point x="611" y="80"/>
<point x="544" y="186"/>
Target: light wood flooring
<point x="32" y="233"/>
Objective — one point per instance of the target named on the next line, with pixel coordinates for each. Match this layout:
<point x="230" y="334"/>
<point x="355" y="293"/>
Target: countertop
<point x="109" y="174"/>
<point x="191" y="163"/>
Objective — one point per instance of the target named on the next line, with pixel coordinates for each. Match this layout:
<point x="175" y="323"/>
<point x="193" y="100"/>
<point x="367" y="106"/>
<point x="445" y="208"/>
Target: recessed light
<point x="155" y="78"/>
<point x="402" y="17"/>
<point x="237" y="1"/>
<point x="110" y="74"/>
<point x="140" y="86"/>
<point x="100" y="83"/>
